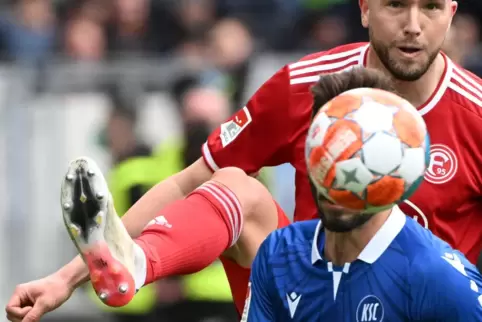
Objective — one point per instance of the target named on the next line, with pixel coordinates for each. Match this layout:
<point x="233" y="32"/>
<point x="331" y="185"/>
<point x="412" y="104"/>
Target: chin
<point x="407" y="73"/>
<point x="343" y="223"/>
<point x="410" y="70"/>
<point x="407" y="77"/>
<point x="338" y="226"/>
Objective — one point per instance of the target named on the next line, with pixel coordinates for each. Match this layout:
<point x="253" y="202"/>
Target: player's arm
<point x="259" y="305"/>
<point x="261" y="133"/>
<point x="449" y="290"/>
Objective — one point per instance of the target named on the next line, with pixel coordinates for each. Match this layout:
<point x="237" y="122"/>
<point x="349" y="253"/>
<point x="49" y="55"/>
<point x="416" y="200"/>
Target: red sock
<point x="190" y="234"/>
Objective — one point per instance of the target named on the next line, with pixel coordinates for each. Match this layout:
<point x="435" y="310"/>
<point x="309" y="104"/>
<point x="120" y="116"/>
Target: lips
<point x="409" y="49"/>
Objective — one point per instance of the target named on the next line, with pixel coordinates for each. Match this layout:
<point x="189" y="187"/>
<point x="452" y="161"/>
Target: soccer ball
<point x="367" y="149"/>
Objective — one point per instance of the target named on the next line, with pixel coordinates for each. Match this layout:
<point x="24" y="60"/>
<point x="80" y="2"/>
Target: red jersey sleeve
<point x="260" y="134"/>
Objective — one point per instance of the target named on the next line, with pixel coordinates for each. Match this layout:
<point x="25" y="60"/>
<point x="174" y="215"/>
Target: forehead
<point x="412" y="1"/>
<point x="442" y="4"/>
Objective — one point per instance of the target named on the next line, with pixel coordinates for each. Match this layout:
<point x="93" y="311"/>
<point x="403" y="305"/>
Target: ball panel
<point x="346" y="199"/>
<point x="365" y="117"/>
<point x="411" y="189"/>
<point x="407" y="129"/>
<point x="385" y="191"/>
<point x="352" y="175"/>
<point x="378" y="95"/>
<point x="342" y="140"/>
<point x="340" y="135"/>
<point x="320" y="163"/>
<point x="382" y="153"/>
<point x="330" y="177"/>
<point x="412" y="166"/>
<point x="318" y="129"/>
<point x="342" y="105"/>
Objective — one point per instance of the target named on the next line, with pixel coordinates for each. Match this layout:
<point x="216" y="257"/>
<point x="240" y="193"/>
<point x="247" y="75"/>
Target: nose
<point x="413" y="26"/>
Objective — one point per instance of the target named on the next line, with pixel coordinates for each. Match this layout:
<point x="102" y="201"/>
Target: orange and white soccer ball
<point x="367" y="149"/>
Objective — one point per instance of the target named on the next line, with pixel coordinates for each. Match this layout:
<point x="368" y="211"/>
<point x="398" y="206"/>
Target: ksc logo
<point x="370" y="309"/>
<point x="443" y="164"/>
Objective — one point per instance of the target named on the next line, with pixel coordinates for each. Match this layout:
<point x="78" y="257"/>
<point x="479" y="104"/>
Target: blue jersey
<point x="405" y="273"/>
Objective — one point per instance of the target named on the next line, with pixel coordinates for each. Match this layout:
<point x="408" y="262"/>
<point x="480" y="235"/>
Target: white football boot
<point x="98" y="233"/>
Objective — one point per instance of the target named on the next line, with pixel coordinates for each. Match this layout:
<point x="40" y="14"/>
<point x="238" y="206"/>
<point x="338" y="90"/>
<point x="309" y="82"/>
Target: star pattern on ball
<point x="350" y="176"/>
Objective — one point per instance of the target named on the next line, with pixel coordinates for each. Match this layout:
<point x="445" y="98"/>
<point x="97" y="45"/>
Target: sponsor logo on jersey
<point x="231" y="129"/>
<point x="293" y="300"/>
<point x="370" y="309"/>
<point x="443" y="164"/>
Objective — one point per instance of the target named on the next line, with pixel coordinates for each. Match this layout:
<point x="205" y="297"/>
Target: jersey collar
<point x="377" y="245"/>
<point x="315" y="252"/>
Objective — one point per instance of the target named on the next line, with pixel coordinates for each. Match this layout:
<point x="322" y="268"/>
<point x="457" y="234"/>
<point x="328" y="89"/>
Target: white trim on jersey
<point x="313" y="79"/>
<point x="352" y="58"/>
<point x="325" y="67"/>
<point x="468" y="78"/>
<point x="325" y="58"/>
<point x="209" y="158"/>
<point x="441" y="90"/>
<point x="315" y="252"/>
<point x="465" y="94"/>
<point x="363" y="55"/>
<point x="302" y="80"/>
<point x="472" y="91"/>
<point x="231" y="206"/>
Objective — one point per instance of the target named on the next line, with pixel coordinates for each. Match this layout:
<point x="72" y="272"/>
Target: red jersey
<point x="271" y="130"/>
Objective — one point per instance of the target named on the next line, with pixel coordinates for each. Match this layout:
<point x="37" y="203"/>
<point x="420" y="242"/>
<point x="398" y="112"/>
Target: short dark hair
<point x="331" y="85"/>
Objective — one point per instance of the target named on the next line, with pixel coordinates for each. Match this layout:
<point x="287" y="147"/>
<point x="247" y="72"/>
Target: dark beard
<point x="397" y="71"/>
<point x="333" y="221"/>
<point x="336" y="225"/>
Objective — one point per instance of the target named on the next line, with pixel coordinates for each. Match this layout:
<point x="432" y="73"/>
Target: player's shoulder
<point x="444" y="285"/>
<point x="418" y="243"/>
<point x="466" y="89"/>
<point x="309" y="67"/>
<point x="432" y="258"/>
<point x="298" y="235"/>
<point x="451" y="268"/>
<point x="435" y="259"/>
<point x="414" y="238"/>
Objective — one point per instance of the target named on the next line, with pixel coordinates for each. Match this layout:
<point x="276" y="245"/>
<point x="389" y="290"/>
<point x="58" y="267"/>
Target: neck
<point x="416" y="92"/>
<point x="341" y="248"/>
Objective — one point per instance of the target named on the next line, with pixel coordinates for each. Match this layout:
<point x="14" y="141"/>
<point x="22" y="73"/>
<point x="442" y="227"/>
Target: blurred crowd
<point x="221" y="37"/>
<point x="222" y="33"/>
<point x="32" y="30"/>
<point x="93" y="30"/>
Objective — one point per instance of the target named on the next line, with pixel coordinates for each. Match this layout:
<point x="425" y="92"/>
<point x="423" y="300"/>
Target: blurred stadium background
<point x="123" y="79"/>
